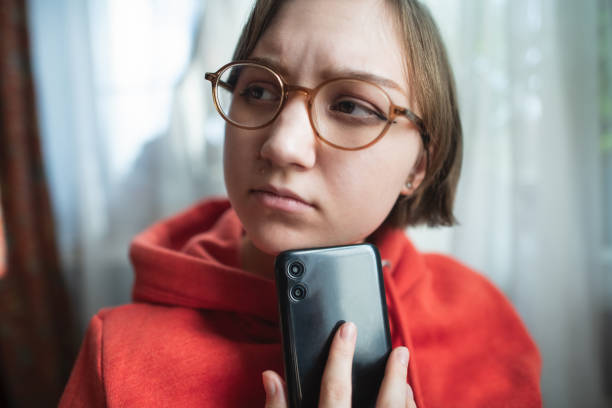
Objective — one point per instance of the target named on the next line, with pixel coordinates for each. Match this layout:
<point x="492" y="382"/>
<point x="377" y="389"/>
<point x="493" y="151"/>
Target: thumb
<point x="275" y="390"/>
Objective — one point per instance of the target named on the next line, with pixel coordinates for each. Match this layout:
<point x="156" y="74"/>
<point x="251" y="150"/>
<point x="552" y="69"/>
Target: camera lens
<point x="296" y="269"/>
<point x="298" y="292"/>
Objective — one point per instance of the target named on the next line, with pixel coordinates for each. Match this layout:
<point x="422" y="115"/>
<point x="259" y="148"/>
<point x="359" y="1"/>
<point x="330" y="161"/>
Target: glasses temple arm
<point x="418" y="122"/>
<point x="215" y="78"/>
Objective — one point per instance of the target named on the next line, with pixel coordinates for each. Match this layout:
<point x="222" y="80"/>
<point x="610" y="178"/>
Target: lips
<point x="281" y="197"/>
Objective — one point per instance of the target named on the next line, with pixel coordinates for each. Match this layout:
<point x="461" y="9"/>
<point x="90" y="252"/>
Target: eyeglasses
<point x="346" y="113"/>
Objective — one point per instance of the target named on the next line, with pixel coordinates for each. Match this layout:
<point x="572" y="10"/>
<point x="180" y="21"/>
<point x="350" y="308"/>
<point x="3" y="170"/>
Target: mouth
<point x="281" y="199"/>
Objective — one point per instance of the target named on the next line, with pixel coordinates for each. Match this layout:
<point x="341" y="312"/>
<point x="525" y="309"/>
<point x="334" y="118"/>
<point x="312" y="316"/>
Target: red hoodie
<point x="201" y="330"/>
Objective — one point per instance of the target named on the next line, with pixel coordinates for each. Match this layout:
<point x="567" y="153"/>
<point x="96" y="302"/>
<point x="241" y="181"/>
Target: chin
<point x="275" y="242"/>
<point x="272" y="246"/>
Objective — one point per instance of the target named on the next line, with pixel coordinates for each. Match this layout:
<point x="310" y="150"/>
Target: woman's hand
<point x="336" y="381"/>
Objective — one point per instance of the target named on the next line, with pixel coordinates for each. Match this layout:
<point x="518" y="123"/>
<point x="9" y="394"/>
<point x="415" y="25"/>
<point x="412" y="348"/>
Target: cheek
<point x="363" y="192"/>
<point x="235" y="154"/>
<point x="228" y="160"/>
<point x="385" y="173"/>
<point x="374" y="192"/>
<point x="374" y="175"/>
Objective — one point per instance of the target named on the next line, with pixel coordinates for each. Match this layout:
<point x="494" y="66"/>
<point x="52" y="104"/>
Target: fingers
<point x="275" y="390"/>
<point x="336" y="382"/>
<point x="410" y="398"/>
<point x="393" y="391"/>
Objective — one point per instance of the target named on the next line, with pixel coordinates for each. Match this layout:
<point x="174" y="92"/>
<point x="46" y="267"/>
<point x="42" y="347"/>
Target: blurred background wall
<point x="128" y="135"/>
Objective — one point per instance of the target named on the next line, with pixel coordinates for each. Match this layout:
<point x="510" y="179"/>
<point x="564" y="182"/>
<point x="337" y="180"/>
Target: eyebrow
<point x="272" y="63"/>
<point x="366" y="76"/>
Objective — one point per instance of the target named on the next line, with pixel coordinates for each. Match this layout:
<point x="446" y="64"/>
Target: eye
<point x="356" y="109"/>
<point x="260" y="92"/>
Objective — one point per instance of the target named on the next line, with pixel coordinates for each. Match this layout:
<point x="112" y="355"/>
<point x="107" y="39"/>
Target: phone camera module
<point x="295" y="269"/>
<point x="298" y="292"/>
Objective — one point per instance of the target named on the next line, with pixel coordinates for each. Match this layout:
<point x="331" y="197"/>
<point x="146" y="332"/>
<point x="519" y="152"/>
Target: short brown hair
<point x="433" y="89"/>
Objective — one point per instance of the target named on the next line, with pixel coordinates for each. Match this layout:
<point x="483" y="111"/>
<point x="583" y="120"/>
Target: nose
<point x="290" y="139"/>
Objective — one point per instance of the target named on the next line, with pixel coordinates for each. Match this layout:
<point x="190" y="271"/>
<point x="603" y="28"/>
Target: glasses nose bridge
<point x="307" y="92"/>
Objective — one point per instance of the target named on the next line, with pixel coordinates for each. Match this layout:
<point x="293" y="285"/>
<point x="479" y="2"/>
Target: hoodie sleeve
<point x="85" y="387"/>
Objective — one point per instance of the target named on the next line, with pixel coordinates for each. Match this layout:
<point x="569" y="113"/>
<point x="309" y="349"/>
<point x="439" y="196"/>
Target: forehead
<point x="313" y="39"/>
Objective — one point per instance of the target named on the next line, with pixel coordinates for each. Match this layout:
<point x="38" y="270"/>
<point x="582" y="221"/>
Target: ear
<point x="416" y="176"/>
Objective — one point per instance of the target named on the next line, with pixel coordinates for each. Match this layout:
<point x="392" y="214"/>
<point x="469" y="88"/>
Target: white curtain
<point x="530" y="201"/>
<point x="128" y="131"/>
<point x="530" y="198"/>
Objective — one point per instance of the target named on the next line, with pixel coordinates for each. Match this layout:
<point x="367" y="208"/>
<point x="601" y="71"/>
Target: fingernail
<point x="269" y="386"/>
<point x="347" y="332"/>
<point x="402" y="355"/>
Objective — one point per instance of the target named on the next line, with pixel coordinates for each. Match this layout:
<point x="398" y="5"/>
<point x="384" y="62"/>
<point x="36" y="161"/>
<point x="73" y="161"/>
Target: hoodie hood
<point x="191" y="260"/>
<point x="217" y="329"/>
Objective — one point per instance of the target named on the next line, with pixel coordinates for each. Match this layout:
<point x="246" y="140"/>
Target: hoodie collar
<point x="177" y="264"/>
<point x="192" y="260"/>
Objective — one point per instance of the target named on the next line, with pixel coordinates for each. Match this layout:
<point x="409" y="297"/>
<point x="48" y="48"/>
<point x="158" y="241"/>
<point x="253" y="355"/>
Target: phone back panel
<point x="341" y="284"/>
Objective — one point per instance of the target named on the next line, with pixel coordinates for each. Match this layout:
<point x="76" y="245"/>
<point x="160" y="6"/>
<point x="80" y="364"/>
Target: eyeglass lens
<point x="347" y="112"/>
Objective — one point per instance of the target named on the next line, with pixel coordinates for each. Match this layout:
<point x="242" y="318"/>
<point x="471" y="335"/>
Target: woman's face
<point x="289" y="189"/>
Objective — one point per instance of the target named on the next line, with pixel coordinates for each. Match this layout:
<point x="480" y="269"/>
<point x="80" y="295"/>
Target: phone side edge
<point x="289" y="357"/>
<point x="383" y="293"/>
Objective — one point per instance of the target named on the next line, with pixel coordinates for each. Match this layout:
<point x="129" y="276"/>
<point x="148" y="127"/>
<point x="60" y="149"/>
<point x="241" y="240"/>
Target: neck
<point x="256" y="261"/>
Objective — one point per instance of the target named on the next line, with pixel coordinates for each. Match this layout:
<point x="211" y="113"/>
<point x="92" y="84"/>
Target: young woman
<point x="343" y="127"/>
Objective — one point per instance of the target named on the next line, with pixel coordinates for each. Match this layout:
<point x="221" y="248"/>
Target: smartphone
<point x="318" y="290"/>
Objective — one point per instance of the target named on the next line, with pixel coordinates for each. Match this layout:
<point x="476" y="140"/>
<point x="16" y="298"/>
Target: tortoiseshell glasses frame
<point x="234" y="68"/>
